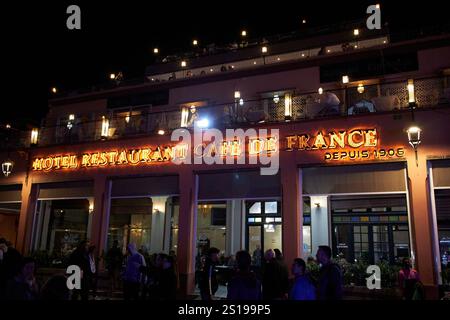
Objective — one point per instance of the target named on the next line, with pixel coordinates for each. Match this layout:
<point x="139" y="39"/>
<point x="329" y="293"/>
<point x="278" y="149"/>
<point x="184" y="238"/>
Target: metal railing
<point x="339" y="101"/>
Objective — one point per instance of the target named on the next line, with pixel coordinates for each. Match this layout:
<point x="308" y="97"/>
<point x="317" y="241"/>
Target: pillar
<point x="158" y="224"/>
<point x="320" y="226"/>
<point x="30" y="193"/>
<point x="235" y="226"/>
<point x="421" y="222"/>
<point x="292" y="211"/>
<point x="100" y="214"/>
<point x="187" y="229"/>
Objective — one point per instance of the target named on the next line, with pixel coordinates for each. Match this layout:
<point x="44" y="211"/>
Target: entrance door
<point x="264" y="227"/>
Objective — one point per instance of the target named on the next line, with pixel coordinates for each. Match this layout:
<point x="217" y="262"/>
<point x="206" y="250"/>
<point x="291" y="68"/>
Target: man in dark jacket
<point x="330" y="278"/>
<point x="167" y="282"/>
<point x="244" y="285"/>
<point x="275" y="282"/>
<point x="208" y="284"/>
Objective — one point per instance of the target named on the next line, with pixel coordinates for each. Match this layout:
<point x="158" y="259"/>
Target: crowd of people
<point x="156" y="277"/>
<point x="274" y="282"/>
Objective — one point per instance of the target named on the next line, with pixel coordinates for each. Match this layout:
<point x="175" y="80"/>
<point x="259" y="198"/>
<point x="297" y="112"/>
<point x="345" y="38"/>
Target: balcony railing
<point x="339" y="101"/>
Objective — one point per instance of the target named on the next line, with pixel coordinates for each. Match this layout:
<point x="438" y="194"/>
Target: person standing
<point x="114" y="259"/>
<point x="274" y="280"/>
<point x="303" y="288"/>
<point x="167" y="284"/>
<point x="80" y="258"/>
<point x="23" y="286"/>
<point x="408" y="280"/>
<point x="92" y="270"/>
<point x="208" y="284"/>
<point x="330" y="277"/>
<point x="244" y="285"/>
<point x="132" y="274"/>
<point x="10" y="260"/>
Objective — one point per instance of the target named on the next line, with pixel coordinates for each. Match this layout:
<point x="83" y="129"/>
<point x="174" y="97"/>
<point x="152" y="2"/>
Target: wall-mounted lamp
<point x="91" y="207"/>
<point x="70" y="122"/>
<point x="414" y="138"/>
<point x="287" y="107"/>
<point x="411" y="95"/>
<point x="7" y="167"/>
<point x="360" y="88"/>
<point x="276" y="98"/>
<point x="345" y="79"/>
<point x="34" y="136"/>
<point x="320" y="90"/>
<point x="105" y="127"/>
<point x="317" y="204"/>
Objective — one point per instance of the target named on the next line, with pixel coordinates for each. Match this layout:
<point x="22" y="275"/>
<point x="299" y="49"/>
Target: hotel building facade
<point x="338" y="109"/>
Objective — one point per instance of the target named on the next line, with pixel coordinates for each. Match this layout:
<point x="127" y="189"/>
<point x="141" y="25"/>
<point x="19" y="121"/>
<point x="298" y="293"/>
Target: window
<point x="130" y="221"/>
<point x="265" y="230"/>
<point x="60" y="225"/>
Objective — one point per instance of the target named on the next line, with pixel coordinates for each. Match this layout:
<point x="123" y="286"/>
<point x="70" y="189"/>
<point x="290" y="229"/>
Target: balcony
<point x="341" y="100"/>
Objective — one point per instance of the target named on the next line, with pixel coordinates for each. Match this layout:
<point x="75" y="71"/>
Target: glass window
<point x="307" y="241"/>
<point x="272" y="237"/>
<point x="174" y="221"/>
<point x="271" y="207"/>
<point x="254" y="243"/>
<point x="130" y="221"/>
<point x="255" y="208"/>
<point x="9" y="220"/>
<point x="443" y="225"/>
<point x="211" y="226"/>
<point x="60" y="225"/>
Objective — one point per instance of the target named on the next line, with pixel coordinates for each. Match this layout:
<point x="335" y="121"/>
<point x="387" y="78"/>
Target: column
<point x="421" y="223"/>
<point x="320" y="230"/>
<point x="158" y="219"/>
<point x="186" y="233"/>
<point x="292" y="211"/>
<point x="234" y="226"/>
<point x="30" y="194"/>
<point x="100" y="214"/>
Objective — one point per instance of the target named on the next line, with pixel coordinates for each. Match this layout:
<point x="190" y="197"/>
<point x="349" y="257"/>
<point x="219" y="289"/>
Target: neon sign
<point x="109" y="158"/>
<point x="356" y="144"/>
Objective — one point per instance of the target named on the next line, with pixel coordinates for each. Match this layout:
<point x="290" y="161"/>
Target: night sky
<point x="40" y="52"/>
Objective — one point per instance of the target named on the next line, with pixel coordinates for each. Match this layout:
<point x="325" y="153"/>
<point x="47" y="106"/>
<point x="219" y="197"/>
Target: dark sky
<point x="119" y="35"/>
